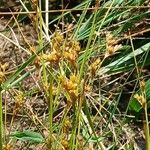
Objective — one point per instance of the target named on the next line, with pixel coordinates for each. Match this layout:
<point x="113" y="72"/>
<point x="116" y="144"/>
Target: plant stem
<point x="147" y="129"/>
<point x="1" y="121"/>
<point x="51" y="106"/>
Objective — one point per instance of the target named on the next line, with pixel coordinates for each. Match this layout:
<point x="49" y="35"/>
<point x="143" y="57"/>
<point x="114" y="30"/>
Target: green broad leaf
<point x="29" y="136"/>
<point x="134" y="105"/>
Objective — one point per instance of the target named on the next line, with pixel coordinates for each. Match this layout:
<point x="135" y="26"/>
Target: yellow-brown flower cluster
<point x="142" y="85"/>
<point x="3" y="68"/>
<point x="63" y="49"/>
<point x="2" y="77"/>
<point x="8" y="146"/>
<point x="65" y="144"/>
<point x="94" y="66"/>
<point x="53" y="57"/>
<point x="65" y="138"/>
<point x="111" y="45"/>
<point x="70" y="85"/>
<point x="67" y="126"/>
<point x="19" y="101"/>
<point x="72" y="51"/>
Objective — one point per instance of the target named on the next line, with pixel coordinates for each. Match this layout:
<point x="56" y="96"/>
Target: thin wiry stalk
<point x="147" y="128"/>
<point x="51" y="107"/>
<point x="46" y="16"/>
<point x="1" y="121"/>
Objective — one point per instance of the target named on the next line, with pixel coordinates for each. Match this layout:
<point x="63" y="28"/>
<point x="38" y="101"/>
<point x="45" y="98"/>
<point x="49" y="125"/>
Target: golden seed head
<point x="76" y="46"/>
<point x="70" y="56"/>
<point x="69" y="85"/>
<point x="19" y="97"/>
<point x="53" y="57"/>
<point x="54" y="90"/>
<point x="58" y="37"/>
<point x="67" y="123"/>
<point x="97" y="62"/>
<point x="87" y="88"/>
<point x="44" y="56"/>
<point x="111" y="42"/>
<point x="62" y="78"/>
<point x="66" y="55"/>
<point x="94" y="66"/>
<point x="73" y="94"/>
<point x="8" y="146"/>
<point x="110" y="50"/>
<point x="19" y="101"/>
<point x="65" y="144"/>
<point x="74" y="78"/>
<point x="109" y="36"/>
<point x="111" y="45"/>
<point x="142" y="85"/>
<point x="2" y="77"/>
<point x="4" y="66"/>
<point x="67" y="126"/>
<point x="56" y="47"/>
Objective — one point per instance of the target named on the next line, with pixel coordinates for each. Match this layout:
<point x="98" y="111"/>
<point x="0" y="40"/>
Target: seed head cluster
<point x="71" y="87"/>
<point x="3" y="68"/>
<point x="111" y="45"/>
<point x="62" y="49"/>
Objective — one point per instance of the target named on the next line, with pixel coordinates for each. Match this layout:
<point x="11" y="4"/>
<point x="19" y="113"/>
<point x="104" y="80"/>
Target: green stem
<point x="1" y="121"/>
<point x="147" y="129"/>
<point x="51" y="106"/>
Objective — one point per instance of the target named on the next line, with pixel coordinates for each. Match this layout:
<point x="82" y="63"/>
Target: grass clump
<point x="80" y="84"/>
